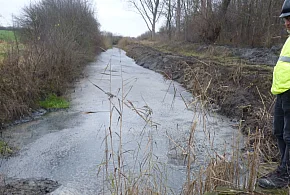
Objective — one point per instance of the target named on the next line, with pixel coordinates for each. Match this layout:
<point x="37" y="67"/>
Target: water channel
<point x="157" y="118"/>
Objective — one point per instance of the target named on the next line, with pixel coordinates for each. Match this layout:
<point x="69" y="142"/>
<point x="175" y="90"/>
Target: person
<point x="281" y="88"/>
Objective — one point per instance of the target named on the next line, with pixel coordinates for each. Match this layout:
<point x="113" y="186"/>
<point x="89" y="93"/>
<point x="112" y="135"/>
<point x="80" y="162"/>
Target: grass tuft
<point x="5" y="149"/>
<point x="53" y="101"/>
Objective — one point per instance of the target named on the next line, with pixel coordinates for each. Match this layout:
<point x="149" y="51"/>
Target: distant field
<point x="6" y="35"/>
<point x="6" y="38"/>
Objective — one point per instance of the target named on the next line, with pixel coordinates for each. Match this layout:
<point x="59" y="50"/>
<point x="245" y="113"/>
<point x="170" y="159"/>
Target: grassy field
<point x="6" y="35"/>
<point x="7" y="38"/>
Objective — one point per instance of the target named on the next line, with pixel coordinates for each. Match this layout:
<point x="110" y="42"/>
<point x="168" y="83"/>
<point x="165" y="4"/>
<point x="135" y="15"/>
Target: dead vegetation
<point x="240" y="90"/>
<point x="228" y="173"/>
<point x="240" y="23"/>
<point x="57" y="39"/>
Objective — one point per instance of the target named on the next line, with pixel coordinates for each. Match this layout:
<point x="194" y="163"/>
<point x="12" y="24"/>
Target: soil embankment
<point x="240" y="90"/>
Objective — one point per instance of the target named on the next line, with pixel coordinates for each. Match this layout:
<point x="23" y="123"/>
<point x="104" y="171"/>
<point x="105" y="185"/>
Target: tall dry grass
<point x="232" y="173"/>
<point x="17" y="87"/>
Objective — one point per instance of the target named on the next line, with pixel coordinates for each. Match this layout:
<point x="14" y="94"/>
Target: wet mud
<point x="28" y="186"/>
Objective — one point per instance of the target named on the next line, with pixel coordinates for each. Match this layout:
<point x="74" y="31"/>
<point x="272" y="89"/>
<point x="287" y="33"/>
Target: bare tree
<point x="238" y="22"/>
<point x="178" y="18"/>
<point x="150" y="10"/>
<point x="169" y="13"/>
<point x="221" y="15"/>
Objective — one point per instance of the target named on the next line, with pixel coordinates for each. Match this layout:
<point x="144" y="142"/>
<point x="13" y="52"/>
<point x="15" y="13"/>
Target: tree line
<point x="236" y="22"/>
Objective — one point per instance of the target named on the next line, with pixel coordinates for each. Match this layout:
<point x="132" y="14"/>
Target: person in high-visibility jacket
<point x="281" y="88"/>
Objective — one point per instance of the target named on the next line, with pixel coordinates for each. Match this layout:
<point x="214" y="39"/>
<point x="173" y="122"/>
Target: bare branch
<point x="150" y="11"/>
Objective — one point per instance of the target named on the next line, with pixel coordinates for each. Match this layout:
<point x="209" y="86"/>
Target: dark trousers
<point x="282" y="127"/>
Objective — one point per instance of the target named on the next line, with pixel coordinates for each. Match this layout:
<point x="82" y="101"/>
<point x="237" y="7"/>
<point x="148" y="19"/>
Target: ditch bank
<point x="239" y="91"/>
<point x="28" y="186"/>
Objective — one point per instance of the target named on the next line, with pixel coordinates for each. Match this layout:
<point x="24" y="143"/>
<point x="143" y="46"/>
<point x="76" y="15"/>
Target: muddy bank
<point x="27" y="186"/>
<point x="237" y="90"/>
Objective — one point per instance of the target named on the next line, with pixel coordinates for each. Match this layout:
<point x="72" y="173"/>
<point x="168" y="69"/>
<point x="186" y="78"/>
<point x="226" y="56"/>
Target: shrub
<point x="59" y="37"/>
<point x="62" y="35"/>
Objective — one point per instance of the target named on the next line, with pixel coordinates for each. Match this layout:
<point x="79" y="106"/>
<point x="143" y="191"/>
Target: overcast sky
<point x="114" y="15"/>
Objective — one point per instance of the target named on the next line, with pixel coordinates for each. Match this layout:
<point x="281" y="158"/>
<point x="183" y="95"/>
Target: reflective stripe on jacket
<point x="281" y="74"/>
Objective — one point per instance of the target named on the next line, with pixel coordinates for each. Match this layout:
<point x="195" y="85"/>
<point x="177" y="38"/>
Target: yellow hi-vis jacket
<point x="281" y="74"/>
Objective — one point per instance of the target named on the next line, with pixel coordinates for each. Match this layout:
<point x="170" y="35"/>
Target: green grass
<point x="6" y="35"/>
<point x="53" y="101"/>
<point x="5" y="149"/>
